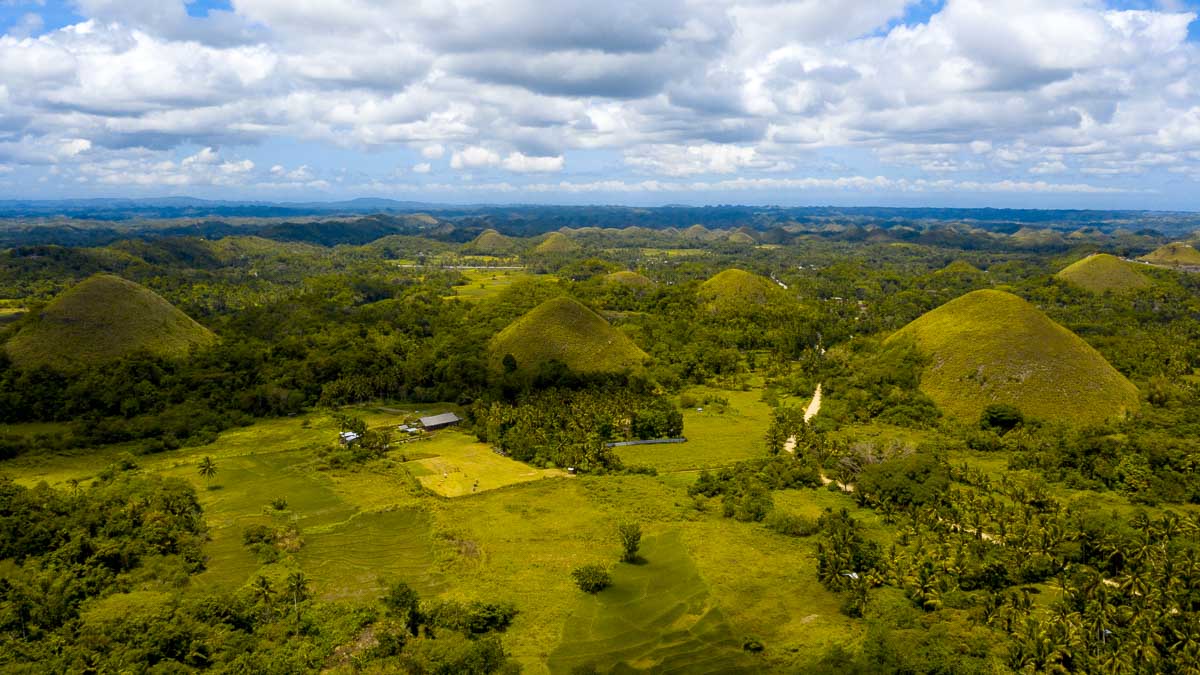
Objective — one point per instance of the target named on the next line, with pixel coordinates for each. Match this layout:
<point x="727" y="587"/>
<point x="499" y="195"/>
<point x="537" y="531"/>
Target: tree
<point x="207" y="468"/>
<point x="631" y="540"/>
<point x="1001" y="417"/>
<point x="591" y="578"/>
<point x="403" y="603"/>
<point x="297" y="587"/>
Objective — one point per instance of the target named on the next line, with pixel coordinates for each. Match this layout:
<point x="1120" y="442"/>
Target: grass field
<point x="718" y="436"/>
<point x="657" y="616"/>
<point x="462" y="466"/>
<point x="486" y="284"/>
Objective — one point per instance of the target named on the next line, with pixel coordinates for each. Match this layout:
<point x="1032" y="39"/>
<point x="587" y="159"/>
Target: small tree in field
<point x="631" y="541"/>
<point x="207" y="469"/>
<point x="591" y="578"/>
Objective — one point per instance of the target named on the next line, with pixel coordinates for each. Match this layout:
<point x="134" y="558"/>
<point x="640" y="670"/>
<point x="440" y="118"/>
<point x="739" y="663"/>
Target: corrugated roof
<point x="436" y="420"/>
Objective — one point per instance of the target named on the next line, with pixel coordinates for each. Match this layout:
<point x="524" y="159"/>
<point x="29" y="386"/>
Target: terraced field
<point x="656" y="616"/>
<point x="460" y="465"/>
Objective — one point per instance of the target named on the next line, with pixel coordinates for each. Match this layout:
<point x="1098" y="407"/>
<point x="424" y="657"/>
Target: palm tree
<point x="207" y="468"/>
<point x="297" y="586"/>
<point x="74" y="483"/>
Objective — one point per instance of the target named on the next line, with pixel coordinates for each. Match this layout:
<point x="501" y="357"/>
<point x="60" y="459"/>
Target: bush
<point x="1001" y="417"/>
<point x="591" y="578"/>
<point x="790" y="524"/>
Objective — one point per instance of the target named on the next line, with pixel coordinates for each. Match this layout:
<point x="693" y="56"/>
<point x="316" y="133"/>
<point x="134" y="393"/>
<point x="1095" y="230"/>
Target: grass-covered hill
<point x="490" y="242"/>
<point x="993" y="347"/>
<point x="628" y="278"/>
<point x="736" y="291"/>
<point x="1177" y="253"/>
<point x="556" y="243"/>
<point x="1102" y="272"/>
<point x="101" y="319"/>
<point x="562" y="329"/>
<point x="740" y="238"/>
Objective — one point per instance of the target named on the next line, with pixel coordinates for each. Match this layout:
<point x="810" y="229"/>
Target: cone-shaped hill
<point x="564" y="330"/>
<point x="627" y="278"/>
<point x="740" y="238"/>
<point x="992" y="347"/>
<point x="104" y="318"/>
<point x="1177" y="253"/>
<point x="1102" y="272"/>
<point x="736" y="291"/>
<point x="490" y="242"/>
<point x="556" y="243"/>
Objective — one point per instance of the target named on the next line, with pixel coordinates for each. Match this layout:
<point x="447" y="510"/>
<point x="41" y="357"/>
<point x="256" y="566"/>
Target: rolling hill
<point x="735" y="291"/>
<point x="490" y="242"/>
<point x="993" y="347"/>
<point x="628" y="278"/>
<point x="1175" y="254"/>
<point x="556" y="243"/>
<point x="104" y="318"/>
<point x="564" y="330"/>
<point x="1102" y="272"/>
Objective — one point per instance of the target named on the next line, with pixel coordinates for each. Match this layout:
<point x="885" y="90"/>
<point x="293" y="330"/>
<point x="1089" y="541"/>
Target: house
<point x="347" y="437"/>
<point x="439" y="421"/>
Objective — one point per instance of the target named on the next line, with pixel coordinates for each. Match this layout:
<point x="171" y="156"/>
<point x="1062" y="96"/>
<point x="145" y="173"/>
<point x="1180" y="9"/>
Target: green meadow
<point x="484" y="284"/>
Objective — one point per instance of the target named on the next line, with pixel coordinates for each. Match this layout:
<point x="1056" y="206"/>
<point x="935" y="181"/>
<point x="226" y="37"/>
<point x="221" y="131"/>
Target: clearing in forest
<point x="463" y="466"/>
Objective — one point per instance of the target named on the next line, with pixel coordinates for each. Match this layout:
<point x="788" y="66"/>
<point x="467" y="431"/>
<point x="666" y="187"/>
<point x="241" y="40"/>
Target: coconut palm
<point x="207" y="468"/>
<point x="297" y="587"/>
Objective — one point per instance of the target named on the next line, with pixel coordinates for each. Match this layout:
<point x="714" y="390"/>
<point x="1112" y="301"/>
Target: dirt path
<point x="814" y="407"/>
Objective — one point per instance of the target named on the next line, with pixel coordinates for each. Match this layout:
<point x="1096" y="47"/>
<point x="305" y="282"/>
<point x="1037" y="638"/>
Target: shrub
<point x="591" y="578"/>
<point x="790" y="524"/>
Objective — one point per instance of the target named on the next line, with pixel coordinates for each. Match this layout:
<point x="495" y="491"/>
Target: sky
<point x="1006" y="103"/>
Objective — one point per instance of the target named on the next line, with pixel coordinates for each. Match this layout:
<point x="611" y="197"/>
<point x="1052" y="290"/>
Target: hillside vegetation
<point x="1177" y="253"/>
<point x="735" y="291"/>
<point x="556" y="243"/>
<point x="1103" y="272"/>
<point x="104" y="318"/>
<point x="491" y="242"/>
<point x="562" y="329"/>
<point x="628" y="278"/>
<point x="993" y="347"/>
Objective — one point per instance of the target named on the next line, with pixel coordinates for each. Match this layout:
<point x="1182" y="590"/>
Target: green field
<point x="717" y="436"/>
<point x="460" y="465"/>
<point x="485" y="284"/>
<point x="658" y="616"/>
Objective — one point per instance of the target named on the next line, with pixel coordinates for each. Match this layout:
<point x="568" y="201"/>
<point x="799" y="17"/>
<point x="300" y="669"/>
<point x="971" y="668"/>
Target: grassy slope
<point x="491" y="242"/>
<point x="993" y="347"/>
<point x="101" y="319"/>
<point x="1177" y="253"/>
<point x="1103" y="272"/>
<point x="733" y="290"/>
<point x="557" y="242"/>
<point x="628" y="278"/>
<point x="563" y="329"/>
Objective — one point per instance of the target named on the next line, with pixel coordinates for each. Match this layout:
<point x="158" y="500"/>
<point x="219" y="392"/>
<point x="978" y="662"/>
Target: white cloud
<point x="708" y="158"/>
<point x="474" y="157"/>
<point x="423" y="167"/>
<point x="985" y="90"/>
<point x="521" y="163"/>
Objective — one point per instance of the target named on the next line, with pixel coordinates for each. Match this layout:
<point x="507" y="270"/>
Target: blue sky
<point x="1031" y="103"/>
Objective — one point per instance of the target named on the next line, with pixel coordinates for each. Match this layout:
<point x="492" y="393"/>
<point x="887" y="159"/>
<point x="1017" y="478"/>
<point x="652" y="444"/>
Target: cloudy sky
<point x="1040" y="103"/>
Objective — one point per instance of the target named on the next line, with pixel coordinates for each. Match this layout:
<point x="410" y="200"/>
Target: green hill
<point x="104" y="318"/>
<point x="736" y="291"/>
<point x="556" y="243"/>
<point x="1177" y="253"/>
<point x="627" y="278"/>
<point x="490" y="242"/>
<point x="564" y="330"/>
<point x="1036" y="237"/>
<point x="1102" y="272"/>
<point x="992" y="347"/>
<point x="740" y="238"/>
